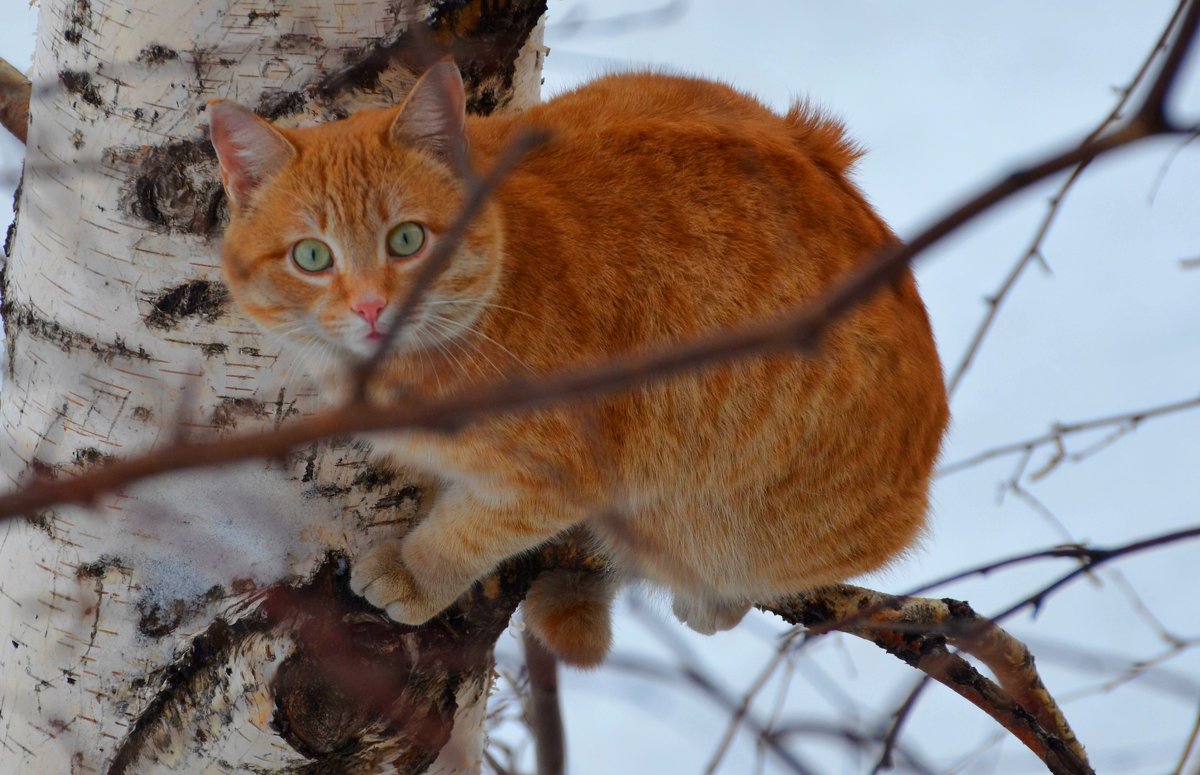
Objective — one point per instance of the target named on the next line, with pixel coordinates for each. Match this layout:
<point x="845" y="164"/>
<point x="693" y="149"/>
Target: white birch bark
<point x="143" y="634"/>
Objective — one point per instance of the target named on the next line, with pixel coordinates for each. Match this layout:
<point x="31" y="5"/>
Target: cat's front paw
<point x="385" y="581"/>
<point x="708" y="616"/>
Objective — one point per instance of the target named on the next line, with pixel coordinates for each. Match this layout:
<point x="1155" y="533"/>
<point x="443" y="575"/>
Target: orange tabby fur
<point x="662" y="209"/>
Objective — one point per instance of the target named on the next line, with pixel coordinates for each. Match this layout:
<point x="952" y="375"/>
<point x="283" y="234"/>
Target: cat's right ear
<point x="434" y="116"/>
<point x="249" y="149"/>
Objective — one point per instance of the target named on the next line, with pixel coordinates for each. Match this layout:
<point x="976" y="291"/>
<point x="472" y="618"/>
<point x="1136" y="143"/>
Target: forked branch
<point x="917" y="630"/>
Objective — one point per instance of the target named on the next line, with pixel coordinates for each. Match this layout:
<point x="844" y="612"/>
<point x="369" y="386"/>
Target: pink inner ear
<point x="249" y="149"/>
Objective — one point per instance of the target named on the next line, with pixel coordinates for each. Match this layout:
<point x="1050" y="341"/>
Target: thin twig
<point x="691" y="676"/>
<point x="1060" y="430"/>
<point x="1093" y="556"/>
<point x="545" y="713"/>
<point x="800" y="329"/>
<point x="15" y="90"/>
<point x="439" y="258"/>
<point x="739" y="713"/>
<point x="1034" y="251"/>
<point x="1187" y="749"/>
<point x="898" y="718"/>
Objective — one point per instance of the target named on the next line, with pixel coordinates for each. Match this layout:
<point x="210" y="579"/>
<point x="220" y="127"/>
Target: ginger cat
<point x="663" y="208"/>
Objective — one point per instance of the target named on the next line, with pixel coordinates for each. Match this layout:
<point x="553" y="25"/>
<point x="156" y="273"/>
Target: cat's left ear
<point x="433" y="118"/>
<point x="249" y="149"/>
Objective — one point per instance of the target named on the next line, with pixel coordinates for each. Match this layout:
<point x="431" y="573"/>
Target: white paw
<point x="708" y="616"/>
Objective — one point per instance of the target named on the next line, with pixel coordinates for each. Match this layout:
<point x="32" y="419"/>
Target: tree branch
<point x="1033" y="252"/>
<point x="1059" y="431"/>
<point x="916" y="631"/>
<point x="15" y="89"/>
<point x="802" y="328"/>
<point x="545" y="713"/>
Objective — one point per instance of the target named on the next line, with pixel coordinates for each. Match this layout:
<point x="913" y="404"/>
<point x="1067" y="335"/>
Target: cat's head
<point x="330" y="225"/>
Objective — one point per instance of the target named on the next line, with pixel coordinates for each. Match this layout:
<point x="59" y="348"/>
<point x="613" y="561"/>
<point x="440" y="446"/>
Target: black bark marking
<point x="43" y="521"/>
<point x="98" y="569"/>
<point x="231" y="410"/>
<point x="23" y="318"/>
<point x="80" y="20"/>
<point x="283" y="408"/>
<point x="11" y="233"/>
<point x="156" y="54"/>
<point x="174" y="187"/>
<point x="483" y="37"/>
<point x="213" y="349"/>
<point x="327" y="491"/>
<point x="80" y="83"/>
<point x="157" y="620"/>
<point x="397" y="499"/>
<point x="372" y="477"/>
<point x="142" y="413"/>
<point x="279" y="104"/>
<point x="184" y="684"/>
<point x="254" y="16"/>
<point x="88" y="457"/>
<point x="204" y="299"/>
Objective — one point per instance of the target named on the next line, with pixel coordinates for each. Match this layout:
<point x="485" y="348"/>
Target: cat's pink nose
<point x="369" y="310"/>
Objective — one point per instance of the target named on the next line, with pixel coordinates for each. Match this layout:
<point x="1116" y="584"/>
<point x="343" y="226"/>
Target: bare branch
<point x="916" y="631"/>
<point x="15" y="89"/>
<point x="695" y="678"/>
<point x="1092" y="556"/>
<point x="545" y="722"/>
<point x="800" y="329"/>
<point x="898" y="718"/>
<point x="439" y="258"/>
<point x="1033" y="253"/>
<point x="1189" y="747"/>
<point x="1059" y="431"/>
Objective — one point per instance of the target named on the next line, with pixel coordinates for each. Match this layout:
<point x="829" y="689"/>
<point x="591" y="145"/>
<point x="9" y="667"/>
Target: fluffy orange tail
<point x="571" y="612"/>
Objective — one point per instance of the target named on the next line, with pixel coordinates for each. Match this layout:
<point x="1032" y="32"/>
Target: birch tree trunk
<point x="203" y="623"/>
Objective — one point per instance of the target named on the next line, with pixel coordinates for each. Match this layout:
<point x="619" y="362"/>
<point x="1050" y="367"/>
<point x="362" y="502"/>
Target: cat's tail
<point x="571" y="613"/>
<point x="823" y="137"/>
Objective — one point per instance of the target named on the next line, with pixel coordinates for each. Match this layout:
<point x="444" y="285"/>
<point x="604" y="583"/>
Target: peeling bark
<point x="203" y="622"/>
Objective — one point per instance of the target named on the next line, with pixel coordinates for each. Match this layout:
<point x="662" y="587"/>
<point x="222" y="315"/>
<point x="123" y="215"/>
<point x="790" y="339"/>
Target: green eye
<point x="406" y="239"/>
<point x="312" y="255"/>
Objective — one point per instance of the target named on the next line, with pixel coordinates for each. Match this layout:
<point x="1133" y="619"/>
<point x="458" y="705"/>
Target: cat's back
<point x="673" y="108"/>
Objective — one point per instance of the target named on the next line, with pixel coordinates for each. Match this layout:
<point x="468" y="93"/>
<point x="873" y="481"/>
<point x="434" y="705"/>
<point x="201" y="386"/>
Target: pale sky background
<point x="948" y="96"/>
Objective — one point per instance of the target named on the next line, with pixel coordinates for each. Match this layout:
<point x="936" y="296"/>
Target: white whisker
<point x="460" y="328"/>
<point x="480" y="303"/>
<point x="451" y="329"/>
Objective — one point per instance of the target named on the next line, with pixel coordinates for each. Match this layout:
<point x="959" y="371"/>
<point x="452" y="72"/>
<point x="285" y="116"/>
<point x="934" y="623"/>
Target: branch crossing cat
<point x="663" y="208"/>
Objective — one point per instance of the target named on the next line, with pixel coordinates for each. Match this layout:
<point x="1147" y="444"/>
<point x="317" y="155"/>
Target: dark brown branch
<point x="1091" y="557"/>
<point x="15" y="89"/>
<point x="545" y="713"/>
<point x="801" y="329"/>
